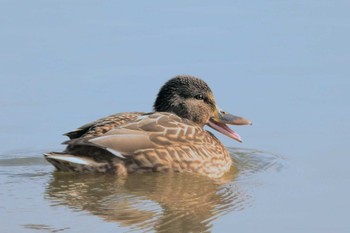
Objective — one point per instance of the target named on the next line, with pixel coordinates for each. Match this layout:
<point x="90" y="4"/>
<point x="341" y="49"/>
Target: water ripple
<point x="251" y="162"/>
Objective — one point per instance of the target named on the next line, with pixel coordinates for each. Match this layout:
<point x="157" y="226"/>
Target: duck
<point x="171" y="138"/>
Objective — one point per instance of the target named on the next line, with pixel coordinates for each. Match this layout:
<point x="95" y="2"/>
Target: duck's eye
<point x="199" y="97"/>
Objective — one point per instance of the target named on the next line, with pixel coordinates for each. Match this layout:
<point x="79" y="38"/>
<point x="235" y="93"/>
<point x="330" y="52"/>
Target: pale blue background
<point x="283" y="64"/>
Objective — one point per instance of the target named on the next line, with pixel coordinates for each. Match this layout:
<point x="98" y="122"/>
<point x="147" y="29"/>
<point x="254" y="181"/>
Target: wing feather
<point x="157" y="130"/>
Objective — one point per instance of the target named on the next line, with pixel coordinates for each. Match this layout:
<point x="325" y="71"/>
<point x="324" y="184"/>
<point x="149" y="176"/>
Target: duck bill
<point x="219" y="120"/>
<point x="224" y="129"/>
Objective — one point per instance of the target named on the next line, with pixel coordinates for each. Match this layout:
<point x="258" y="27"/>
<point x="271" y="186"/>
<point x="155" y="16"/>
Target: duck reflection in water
<point x="170" y="202"/>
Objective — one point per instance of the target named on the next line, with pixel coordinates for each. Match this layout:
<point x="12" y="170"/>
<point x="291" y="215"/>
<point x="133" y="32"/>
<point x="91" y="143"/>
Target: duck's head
<point x="191" y="98"/>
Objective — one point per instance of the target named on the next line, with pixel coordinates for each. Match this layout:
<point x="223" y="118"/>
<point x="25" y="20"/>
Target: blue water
<point x="284" y="65"/>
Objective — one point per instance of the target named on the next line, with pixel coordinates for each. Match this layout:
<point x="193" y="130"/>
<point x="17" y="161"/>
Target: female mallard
<point x="171" y="138"/>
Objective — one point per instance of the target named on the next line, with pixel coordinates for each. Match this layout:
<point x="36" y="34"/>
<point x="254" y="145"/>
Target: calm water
<point x="40" y="199"/>
<point x="282" y="65"/>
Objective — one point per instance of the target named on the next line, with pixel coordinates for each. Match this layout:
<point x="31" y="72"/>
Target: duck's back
<point x="103" y="125"/>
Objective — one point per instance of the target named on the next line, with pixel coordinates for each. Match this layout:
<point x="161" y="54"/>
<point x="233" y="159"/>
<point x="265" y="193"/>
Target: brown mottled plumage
<point x="170" y="139"/>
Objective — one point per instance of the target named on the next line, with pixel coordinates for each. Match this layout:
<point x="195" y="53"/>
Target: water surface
<point x="54" y="201"/>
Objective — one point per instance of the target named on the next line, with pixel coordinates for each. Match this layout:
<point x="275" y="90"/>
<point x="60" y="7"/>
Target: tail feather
<point x="67" y="157"/>
<point x="68" y="162"/>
